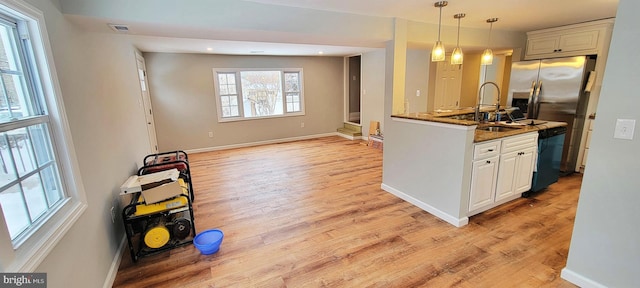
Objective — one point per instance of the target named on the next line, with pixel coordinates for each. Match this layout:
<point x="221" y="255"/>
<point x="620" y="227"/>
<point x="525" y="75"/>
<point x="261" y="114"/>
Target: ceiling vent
<point x="121" y="28"/>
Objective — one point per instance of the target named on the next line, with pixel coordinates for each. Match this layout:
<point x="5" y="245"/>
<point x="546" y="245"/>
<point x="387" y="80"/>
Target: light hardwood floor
<point x="311" y="214"/>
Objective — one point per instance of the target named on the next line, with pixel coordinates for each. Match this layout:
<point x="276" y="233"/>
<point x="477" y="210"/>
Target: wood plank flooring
<point x="311" y="214"/>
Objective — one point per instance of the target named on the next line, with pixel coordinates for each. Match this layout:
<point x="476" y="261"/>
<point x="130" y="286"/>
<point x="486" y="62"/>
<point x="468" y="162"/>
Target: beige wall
<point x="182" y="95"/>
<point x="470" y="80"/>
<point x="373" y="65"/>
<point x="97" y="74"/>
<point x="418" y="63"/>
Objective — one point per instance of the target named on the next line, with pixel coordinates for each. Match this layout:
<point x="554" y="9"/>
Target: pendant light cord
<point x="439" y="22"/>
<point x="458" y="40"/>
<point x="490" y="28"/>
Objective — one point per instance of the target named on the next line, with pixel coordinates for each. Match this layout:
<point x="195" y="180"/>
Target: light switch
<point x="624" y="129"/>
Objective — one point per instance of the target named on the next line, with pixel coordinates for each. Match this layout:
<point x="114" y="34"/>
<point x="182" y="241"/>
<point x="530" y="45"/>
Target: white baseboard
<point x="115" y="264"/>
<point x="458" y="222"/>
<point x="258" y="143"/>
<point x="579" y="280"/>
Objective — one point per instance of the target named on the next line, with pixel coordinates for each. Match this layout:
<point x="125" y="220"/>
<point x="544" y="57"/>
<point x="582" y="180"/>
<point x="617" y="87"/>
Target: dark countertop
<point x="480" y="135"/>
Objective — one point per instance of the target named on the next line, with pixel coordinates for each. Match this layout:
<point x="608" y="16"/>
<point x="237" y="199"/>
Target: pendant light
<point x="487" y="55"/>
<point x="456" y="56"/>
<point x="438" y="52"/>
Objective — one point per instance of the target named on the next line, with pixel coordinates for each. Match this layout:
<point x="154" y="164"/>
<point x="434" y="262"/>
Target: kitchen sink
<point x="497" y="128"/>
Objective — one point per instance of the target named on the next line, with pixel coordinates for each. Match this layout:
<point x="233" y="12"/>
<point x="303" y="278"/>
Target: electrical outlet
<point x="113" y="214"/>
<point x="301" y="124"/>
<point x="418" y="93"/>
<point x="210" y="134"/>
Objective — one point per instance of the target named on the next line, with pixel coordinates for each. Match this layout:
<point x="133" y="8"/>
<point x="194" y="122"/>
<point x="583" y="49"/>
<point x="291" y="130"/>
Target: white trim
<point x="458" y="222"/>
<point x="436" y="124"/>
<point x="578" y="279"/>
<point x="258" y="143"/>
<point x="29" y="257"/>
<point x="115" y="264"/>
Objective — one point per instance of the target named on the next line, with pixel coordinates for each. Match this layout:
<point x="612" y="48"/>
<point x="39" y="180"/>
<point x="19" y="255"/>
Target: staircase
<point x="350" y="131"/>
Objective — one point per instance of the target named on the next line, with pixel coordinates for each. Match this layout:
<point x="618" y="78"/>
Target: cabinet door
<point x="577" y="41"/>
<point x="483" y="183"/>
<point x="524" y="170"/>
<point x="543" y="45"/>
<point x="506" y="175"/>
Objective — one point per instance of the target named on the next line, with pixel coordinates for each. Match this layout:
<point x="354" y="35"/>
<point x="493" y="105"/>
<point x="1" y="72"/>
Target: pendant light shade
<point x="456" y="56"/>
<point x="438" y="52"/>
<point x="487" y="55"/>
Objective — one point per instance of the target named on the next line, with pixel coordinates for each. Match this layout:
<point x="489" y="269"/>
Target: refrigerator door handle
<point x="537" y="103"/>
<point x="532" y="99"/>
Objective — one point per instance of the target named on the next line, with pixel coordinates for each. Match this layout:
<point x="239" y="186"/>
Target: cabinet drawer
<point x="484" y="150"/>
<point x="519" y="142"/>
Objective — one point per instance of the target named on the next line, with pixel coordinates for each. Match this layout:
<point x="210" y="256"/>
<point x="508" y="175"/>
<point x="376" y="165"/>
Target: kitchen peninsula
<point x="447" y="164"/>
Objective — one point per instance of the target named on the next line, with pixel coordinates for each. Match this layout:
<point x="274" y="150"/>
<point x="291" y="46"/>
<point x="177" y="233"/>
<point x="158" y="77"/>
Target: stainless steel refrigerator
<point x="554" y="90"/>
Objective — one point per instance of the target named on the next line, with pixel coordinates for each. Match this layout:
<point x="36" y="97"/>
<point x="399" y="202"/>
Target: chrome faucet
<point x="477" y="113"/>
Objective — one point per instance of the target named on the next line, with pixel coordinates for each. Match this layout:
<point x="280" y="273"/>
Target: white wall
<point x="605" y="247"/>
<point x="98" y="80"/>
<point x="182" y="94"/>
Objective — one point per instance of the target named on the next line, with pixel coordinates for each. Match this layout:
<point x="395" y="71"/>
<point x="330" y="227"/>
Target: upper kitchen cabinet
<point x="572" y="40"/>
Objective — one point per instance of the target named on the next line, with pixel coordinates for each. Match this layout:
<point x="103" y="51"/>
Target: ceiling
<point x="514" y="15"/>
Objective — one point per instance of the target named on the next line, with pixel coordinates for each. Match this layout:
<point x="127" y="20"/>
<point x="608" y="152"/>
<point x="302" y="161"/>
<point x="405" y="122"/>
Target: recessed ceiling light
<point x="209" y="49"/>
<point x="320" y="52"/>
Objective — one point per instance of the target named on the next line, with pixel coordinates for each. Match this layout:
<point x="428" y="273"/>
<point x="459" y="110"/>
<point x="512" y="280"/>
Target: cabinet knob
<point x="488" y="162"/>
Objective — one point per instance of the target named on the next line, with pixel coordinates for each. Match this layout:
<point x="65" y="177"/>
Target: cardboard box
<point x="137" y="183"/>
<point x="162" y="192"/>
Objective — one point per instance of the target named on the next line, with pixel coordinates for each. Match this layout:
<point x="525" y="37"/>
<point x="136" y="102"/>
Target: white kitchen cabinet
<point x="571" y="40"/>
<point x="483" y="183"/>
<point x="515" y="174"/>
<point x="502" y="170"/>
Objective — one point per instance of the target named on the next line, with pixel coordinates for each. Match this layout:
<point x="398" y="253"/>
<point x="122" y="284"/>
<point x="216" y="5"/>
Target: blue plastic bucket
<point x="208" y="241"/>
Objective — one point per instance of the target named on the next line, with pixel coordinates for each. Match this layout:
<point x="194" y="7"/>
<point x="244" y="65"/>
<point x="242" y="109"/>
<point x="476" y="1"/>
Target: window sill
<point x="235" y="119"/>
<point x="33" y="251"/>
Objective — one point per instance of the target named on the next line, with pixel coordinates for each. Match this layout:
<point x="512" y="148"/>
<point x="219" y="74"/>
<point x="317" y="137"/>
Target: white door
<point x="146" y="103"/>
<point x="448" y="85"/>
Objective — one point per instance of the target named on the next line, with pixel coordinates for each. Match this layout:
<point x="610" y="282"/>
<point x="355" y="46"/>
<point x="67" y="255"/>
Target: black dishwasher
<point x="547" y="172"/>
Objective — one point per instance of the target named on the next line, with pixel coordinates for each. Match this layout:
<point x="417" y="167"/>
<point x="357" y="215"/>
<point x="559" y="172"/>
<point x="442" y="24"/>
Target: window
<point x="40" y="191"/>
<point x="251" y="94"/>
<point x="29" y="179"/>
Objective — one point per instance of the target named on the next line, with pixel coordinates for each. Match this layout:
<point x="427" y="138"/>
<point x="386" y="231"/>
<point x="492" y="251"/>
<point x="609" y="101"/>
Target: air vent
<point x="121" y="28"/>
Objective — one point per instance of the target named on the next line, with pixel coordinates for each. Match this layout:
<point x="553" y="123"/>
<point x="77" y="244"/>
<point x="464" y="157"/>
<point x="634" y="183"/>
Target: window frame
<point x="46" y="235"/>
<point x="239" y="96"/>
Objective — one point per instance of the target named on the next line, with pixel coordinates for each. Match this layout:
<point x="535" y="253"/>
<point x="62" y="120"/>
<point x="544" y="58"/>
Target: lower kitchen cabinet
<point x="516" y="173"/>
<point x="483" y="183"/>
<point x="503" y="176"/>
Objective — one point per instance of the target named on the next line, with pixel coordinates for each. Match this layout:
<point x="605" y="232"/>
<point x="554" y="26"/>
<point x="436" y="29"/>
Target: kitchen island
<point x="429" y="159"/>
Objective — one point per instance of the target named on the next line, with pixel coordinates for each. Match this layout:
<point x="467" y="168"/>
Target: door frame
<point x="145" y="102"/>
<point x="347" y="80"/>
